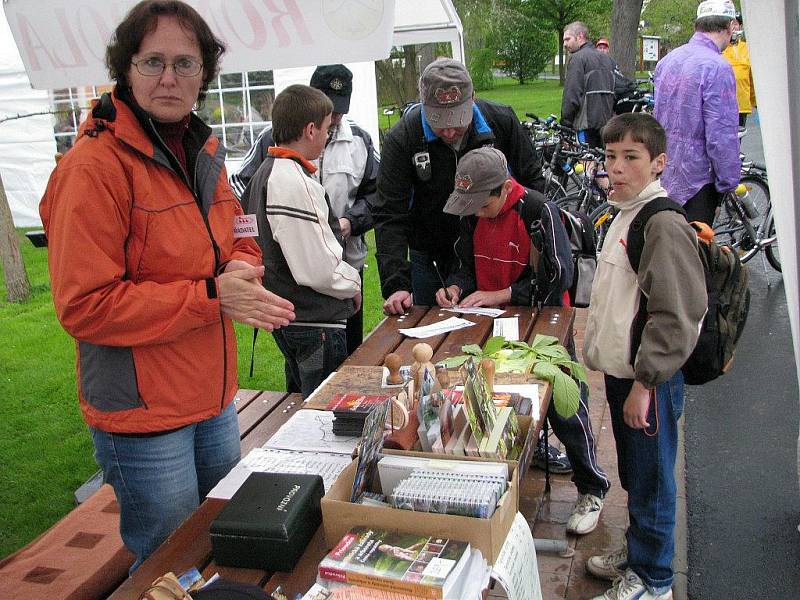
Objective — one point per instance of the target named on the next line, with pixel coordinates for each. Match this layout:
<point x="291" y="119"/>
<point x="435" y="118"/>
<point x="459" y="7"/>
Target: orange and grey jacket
<point x="134" y="246"/>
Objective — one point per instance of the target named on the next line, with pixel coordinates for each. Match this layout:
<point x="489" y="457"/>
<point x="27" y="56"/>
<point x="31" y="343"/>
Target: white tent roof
<point x="62" y="43"/>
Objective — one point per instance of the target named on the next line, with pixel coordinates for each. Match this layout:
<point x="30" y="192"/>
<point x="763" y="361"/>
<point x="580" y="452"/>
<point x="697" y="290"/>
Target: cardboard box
<point x="527" y="429"/>
<point x="339" y="515"/>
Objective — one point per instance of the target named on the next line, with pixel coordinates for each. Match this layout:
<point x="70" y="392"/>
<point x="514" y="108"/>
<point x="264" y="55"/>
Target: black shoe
<point x="559" y="462"/>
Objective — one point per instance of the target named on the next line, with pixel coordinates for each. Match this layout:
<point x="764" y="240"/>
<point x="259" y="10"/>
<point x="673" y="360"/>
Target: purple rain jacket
<point x="696" y="104"/>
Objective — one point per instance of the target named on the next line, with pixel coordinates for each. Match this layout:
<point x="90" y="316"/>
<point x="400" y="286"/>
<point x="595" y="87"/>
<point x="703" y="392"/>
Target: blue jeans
<point x="424" y="280"/>
<point x="646" y="461"/>
<point x="159" y="479"/>
<point x="310" y="355"/>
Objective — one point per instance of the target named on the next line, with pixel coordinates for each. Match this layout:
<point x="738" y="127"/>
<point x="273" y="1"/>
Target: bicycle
<point x="744" y="224"/>
<point x="747" y="224"/>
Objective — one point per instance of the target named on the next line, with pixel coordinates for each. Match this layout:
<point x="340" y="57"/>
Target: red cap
<point x="603" y="42"/>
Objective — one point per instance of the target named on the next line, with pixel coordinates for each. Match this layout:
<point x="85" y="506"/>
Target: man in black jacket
<point x="418" y="166"/>
<point x="588" y="100"/>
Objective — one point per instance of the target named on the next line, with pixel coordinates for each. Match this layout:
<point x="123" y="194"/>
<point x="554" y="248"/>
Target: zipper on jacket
<point x="214" y="247"/>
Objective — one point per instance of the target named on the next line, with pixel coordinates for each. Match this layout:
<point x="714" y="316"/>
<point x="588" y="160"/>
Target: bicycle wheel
<point x="601" y="218"/>
<point x="571" y="202"/>
<point x="554" y="191"/>
<point x="772" y="251"/>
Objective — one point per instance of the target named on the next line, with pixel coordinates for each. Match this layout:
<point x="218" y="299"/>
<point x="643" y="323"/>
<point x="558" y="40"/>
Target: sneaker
<point x="585" y="515"/>
<point x="631" y="587"/>
<point x="559" y="462"/>
<point x="609" y="566"/>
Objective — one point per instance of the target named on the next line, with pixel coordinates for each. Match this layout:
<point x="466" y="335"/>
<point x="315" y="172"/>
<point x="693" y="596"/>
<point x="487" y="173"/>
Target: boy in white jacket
<point x="301" y="240"/>
<point x="644" y="383"/>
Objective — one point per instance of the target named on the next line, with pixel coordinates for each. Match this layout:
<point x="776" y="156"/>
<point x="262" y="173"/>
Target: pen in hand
<point x="441" y="280"/>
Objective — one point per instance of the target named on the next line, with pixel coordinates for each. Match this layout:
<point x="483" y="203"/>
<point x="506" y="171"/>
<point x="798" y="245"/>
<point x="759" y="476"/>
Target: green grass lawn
<point x="46" y="449"/>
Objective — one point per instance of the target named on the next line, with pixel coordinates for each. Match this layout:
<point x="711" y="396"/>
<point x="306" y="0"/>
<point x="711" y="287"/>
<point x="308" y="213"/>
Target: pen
<point x="441" y="280"/>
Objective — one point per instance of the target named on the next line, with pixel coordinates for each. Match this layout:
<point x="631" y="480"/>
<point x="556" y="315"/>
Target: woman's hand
<point x="637" y="404"/>
<point x="243" y="298"/>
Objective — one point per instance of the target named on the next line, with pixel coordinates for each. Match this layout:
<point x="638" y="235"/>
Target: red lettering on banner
<point x="259" y="30"/>
<point x="31" y="43"/>
<point x="72" y="43"/>
<point x="95" y="45"/>
<point x="291" y="11"/>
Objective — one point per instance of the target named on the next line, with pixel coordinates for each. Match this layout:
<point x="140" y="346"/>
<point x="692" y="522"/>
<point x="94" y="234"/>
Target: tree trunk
<point x="17" y="284"/>
<point x="624" y="34"/>
<point x="410" y="74"/>
<point x="562" y="56"/>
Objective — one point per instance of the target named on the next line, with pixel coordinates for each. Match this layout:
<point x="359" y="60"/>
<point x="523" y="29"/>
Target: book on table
<point x="422" y="566"/>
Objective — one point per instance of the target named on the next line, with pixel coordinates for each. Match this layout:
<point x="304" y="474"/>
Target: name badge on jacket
<point x="245" y="226"/>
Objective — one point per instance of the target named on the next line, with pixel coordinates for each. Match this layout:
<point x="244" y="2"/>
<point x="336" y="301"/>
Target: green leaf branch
<point x="545" y="358"/>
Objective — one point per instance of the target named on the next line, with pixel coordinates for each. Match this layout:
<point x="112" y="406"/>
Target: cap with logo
<point x="716" y="8"/>
<point x="479" y="172"/>
<point x="602" y="42"/>
<point x="446" y="92"/>
<point x="336" y="81"/>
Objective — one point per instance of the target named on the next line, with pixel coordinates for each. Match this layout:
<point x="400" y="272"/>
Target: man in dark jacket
<point x="418" y="166"/>
<point x="588" y="100"/>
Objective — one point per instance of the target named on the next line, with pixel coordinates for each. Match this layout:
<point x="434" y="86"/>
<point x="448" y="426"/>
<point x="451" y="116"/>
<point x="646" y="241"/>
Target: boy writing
<point x="301" y="240"/>
<point x="644" y="384"/>
<point x="494" y="250"/>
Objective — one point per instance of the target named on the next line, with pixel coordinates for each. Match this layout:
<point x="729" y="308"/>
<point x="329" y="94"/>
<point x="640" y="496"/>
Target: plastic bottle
<point x="747" y="201"/>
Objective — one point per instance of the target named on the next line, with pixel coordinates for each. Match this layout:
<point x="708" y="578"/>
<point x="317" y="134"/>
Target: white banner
<point x="63" y="42"/>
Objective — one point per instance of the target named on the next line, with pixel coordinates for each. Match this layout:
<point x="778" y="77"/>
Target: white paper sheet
<point x="516" y="568"/>
<point x="507" y="328"/>
<point x="265" y="460"/>
<point x="312" y="431"/>
<point x="477" y="310"/>
<point x="426" y="331"/>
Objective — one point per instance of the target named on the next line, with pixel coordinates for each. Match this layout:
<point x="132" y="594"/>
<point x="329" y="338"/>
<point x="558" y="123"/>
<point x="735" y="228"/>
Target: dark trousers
<point x="355" y="324"/>
<point x="703" y="205"/>
<point x="591" y="137"/>
<point x="310" y="355"/>
<point x="578" y="438"/>
<point x="743" y="119"/>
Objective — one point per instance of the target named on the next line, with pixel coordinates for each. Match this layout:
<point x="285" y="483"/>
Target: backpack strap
<point x="634" y="248"/>
<point x="635" y="242"/>
<point x="530" y="212"/>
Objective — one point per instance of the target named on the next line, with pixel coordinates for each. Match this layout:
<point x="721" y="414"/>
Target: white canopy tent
<point x="61" y="44"/>
<point x="772" y="34"/>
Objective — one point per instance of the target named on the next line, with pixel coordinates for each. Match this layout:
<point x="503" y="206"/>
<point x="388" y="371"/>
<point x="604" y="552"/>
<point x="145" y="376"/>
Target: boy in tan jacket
<point x="644" y="383"/>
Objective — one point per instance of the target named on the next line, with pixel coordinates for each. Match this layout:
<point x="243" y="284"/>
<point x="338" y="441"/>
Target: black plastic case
<point x="268" y="522"/>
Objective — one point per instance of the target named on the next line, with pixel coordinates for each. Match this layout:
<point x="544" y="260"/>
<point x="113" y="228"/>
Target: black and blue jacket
<point x="408" y="210"/>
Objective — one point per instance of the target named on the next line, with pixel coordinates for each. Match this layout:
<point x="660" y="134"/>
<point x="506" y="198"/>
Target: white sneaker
<point x="585" y="515"/>
<point x="631" y="587"/>
<point x="609" y="566"/>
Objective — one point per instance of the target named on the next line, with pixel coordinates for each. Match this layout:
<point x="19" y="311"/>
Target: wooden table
<point x="261" y="414"/>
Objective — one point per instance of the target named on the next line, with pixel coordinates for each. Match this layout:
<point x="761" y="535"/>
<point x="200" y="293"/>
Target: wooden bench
<point x="82" y="556"/>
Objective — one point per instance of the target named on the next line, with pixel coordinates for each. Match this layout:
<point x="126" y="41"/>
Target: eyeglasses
<point x="154" y="67"/>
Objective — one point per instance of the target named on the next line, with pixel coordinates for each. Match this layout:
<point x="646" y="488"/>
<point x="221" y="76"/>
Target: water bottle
<point x="747" y="202"/>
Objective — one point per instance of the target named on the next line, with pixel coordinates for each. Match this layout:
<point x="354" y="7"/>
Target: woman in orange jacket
<point x="148" y="271"/>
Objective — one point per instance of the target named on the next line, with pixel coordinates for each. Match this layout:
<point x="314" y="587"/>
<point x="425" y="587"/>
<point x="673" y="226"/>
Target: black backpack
<point x="565" y="242"/>
<point x="728" y="297"/>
